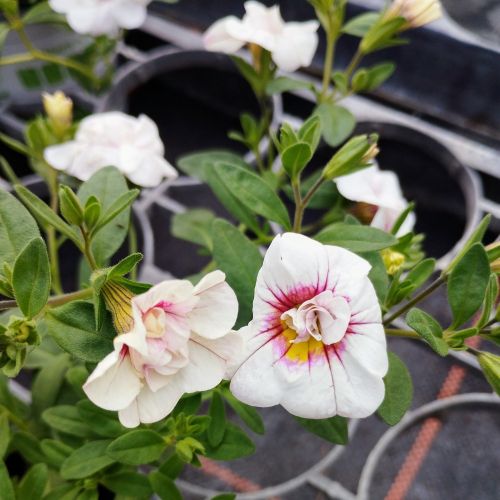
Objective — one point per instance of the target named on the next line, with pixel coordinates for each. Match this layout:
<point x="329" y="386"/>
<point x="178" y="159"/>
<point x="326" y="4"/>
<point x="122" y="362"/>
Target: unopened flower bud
<point x="490" y="364"/>
<point x="15" y="339"/>
<point x="59" y="110"/>
<point x="355" y="155"/>
<point x="393" y="260"/>
<point x="416" y="12"/>
<point x="118" y="300"/>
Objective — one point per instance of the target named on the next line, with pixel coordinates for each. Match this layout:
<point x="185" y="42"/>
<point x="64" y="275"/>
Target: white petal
<point x="61" y="156"/>
<point x="151" y="171"/>
<point x="114" y="383"/>
<point x="130" y="14"/>
<point x="256" y="382"/>
<point x="129" y="417"/>
<point x="296" y="47"/>
<point x="217" y="309"/>
<point x="219" y="37"/>
<point x="205" y="370"/>
<point x="358" y="391"/>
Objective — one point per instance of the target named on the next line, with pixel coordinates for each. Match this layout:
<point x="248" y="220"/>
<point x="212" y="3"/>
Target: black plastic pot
<point x="195" y="98"/>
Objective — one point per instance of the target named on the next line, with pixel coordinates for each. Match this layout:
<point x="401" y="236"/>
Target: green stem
<point x="328" y="67"/>
<point x="422" y="295"/>
<point x="87" y="250"/>
<point x="353" y="64"/>
<point x="312" y="191"/>
<point x="56" y="300"/>
<point x="52" y="245"/>
<point x="132" y="246"/>
<point x="299" y="210"/>
<point x="16" y="420"/>
<point x="407" y="334"/>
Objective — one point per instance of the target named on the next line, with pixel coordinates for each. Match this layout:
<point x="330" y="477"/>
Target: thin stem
<point x="422" y="295"/>
<point x="16" y="59"/>
<point x="312" y="191"/>
<point x="132" y="246"/>
<point x="299" y="210"/>
<point x="353" y="64"/>
<point x="56" y="300"/>
<point x="328" y="67"/>
<point x="51" y="234"/>
<point x="15" y="420"/>
<point x="407" y="334"/>
<point x="87" y="250"/>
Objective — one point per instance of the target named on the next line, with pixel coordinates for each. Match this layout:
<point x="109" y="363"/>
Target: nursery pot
<point x="195" y="98"/>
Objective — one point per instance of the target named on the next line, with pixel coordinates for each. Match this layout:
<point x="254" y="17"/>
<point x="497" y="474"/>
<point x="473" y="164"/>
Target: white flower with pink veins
<point x="381" y="189"/>
<point x="132" y="145"/>
<point x="102" y="17"/>
<point x="316" y="344"/>
<point x="292" y="45"/>
<point x="181" y="342"/>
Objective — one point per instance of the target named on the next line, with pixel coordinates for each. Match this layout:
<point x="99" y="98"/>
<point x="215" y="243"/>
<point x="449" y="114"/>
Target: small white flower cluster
<point x="292" y="45"/>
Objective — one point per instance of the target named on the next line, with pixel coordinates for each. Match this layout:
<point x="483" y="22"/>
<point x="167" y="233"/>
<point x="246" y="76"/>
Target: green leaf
<point x="104" y="423"/>
<point x="128" y="484"/>
<point x="137" y="447"/>
<point x="120" y="205"/>
<point x="17" y="227"/>
<point x="87" y="460"/>
<point x="201" y="165"/>
<point x="125" y="265"/>
<point x="225" y="496"/>
<point x="285" y="84"/>
<point x="164" y="487"/>
<point x="337" y="123"/>
<point x="194" y="226"/>
<point x="217" y="425"/>
<point x="235" y="444"/>
<point x="4" y="432"/>
<point x="88" y="494"/>
<point x="378" y="74"/>
<point x="398" y="391"/>
<point x="55" y="451"/>
<point x="356" y="238"/>
<point x="46" y="215"/>
<point x="421" y="272"/>
<point x="295" y="158"/>
<point x="333" y="430"/>
<point x="467" y="284"/>
<point x="66" y="419"/>
<point x="490" y="300"/>
<point x="31" y="278"/>
<point x="6" y="487"/>
<point x="241" y="260"/>
<point x="247" y="413"/>
<point x="360" y="25"/>
<point x="48" y="382"/>
<point x="476" y="237"/>
<point x="28" y="446"/>
<point x="63" y="492"/>
<point x="43" y="13"/>
<point x="107" y="185"/>
<point x="429" y="329"/>
<point x="34" y="483"/>
<point x="253" y="192"/>
<point x="378" y="274"/>
<point x="72" y="326"/>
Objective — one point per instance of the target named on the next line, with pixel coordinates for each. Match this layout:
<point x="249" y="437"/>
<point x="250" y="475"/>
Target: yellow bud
<point x="371" y="153"/>
<point x="256" y="51"/>
<point x="393" y="260"/>
<point x="59" y="109"/>
<point x="118" y="301"/>
<point x="416" y="12"/>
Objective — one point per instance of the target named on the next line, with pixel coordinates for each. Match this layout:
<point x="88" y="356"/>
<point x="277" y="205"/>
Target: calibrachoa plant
<point x="129" y="381"/>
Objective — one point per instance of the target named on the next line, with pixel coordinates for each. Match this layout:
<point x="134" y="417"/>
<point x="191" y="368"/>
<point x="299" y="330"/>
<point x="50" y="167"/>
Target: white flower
<point x="315" y="344"/>
<point x="381" y="189"/>
<point x="181" y="342"/>
<point x="102" y="17"/>
<point x="292" y="45"/>
<point x="416" y="12"/>
<point x="132" y="145"/>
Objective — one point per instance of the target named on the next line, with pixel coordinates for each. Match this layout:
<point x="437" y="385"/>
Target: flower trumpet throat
<point x="118" y="301"/>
